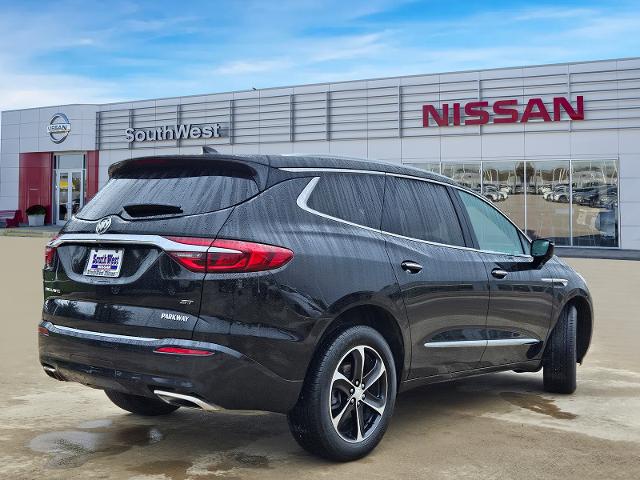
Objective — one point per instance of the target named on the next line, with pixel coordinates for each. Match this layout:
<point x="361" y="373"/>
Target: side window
<point x="493" y="231"/>
<point x="356" y="198"/>
<point x="526" y="245"/>
<point x="421" y="210"/>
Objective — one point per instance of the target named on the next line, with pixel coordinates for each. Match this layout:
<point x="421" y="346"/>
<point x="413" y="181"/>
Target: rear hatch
<point x="129" y="262"/>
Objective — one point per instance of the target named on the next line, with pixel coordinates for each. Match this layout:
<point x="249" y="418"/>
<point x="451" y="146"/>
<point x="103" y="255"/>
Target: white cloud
<point x="19" y="90"/>
<point x="348" y="47"/>
<point x="553" y="13"/>
<point x="244" y="67"/>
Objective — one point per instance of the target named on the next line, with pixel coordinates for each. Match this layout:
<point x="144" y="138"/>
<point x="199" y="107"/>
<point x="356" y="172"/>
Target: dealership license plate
<point x="104" y="263"/>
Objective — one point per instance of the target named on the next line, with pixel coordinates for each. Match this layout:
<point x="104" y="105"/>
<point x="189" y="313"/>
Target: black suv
<point x="313" y="286"/>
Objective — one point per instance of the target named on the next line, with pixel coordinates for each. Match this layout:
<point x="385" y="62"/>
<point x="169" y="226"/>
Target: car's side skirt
<point x="528" y="366"/>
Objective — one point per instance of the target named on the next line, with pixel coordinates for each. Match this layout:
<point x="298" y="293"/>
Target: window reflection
<point x="433" y="167"/>
<point x="467" y="174"/>
<point x="503" y="184"/>
<point x="545" y="188"/>
<point x="548" y="201"/>
<point x="595" y="203"/>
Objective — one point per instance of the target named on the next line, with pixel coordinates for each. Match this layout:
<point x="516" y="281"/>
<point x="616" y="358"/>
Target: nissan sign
<point x="504" y="111"/>
<point x="173" y="132"/>
<point x="59" y="128"/>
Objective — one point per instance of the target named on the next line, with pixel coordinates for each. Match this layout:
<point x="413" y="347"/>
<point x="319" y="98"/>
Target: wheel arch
<point x="381" y="320"/>
<point x="584" y="331"/>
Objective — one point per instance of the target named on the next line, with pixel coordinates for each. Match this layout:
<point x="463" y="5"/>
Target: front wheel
<point x="348" y="396"/>
<point x="560" y="361"/>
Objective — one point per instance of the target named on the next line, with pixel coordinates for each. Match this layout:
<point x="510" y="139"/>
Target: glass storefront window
<point x="573" y="203"/>
<point x="67" y="161"/>
<point x="503" y="185"/>
<point x="467" y="174"/>
<point x="595" y="203"/>
<point x="548" y="209"/>
<point x="433" y="167"/>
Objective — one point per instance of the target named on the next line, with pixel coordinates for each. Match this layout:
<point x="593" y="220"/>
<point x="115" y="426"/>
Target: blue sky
<point x="57" y="52"/>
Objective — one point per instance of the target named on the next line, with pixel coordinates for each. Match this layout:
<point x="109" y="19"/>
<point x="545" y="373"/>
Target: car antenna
<point x="206" y="150"/>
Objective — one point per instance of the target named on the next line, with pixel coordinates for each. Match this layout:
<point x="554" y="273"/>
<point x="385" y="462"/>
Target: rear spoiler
<point x="251" y="166"/>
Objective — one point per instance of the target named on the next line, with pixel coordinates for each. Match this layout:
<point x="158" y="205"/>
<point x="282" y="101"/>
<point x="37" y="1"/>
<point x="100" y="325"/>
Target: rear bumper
<point x="227" y="378"/>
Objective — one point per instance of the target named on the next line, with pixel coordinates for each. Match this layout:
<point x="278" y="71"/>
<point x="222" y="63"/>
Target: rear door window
<point x="420" y="210"/>
<point x="169" y="191"/>
<point x="356" y="198"/>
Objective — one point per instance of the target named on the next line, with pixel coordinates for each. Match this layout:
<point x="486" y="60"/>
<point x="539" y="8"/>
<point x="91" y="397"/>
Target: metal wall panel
<point x="387" y="108"/>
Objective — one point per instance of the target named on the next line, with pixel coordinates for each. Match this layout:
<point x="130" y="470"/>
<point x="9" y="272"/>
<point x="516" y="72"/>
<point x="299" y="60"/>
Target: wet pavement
<point x="495" y="426"/>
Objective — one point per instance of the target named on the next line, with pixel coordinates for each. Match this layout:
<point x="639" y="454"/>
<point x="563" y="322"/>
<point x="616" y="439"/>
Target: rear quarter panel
<point x="278" y="317"/>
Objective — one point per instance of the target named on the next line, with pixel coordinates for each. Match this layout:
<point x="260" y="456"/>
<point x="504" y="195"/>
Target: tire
<point x="146" y="406"/>
<point x="332" y="390"/>
<point x="560" y="362"/>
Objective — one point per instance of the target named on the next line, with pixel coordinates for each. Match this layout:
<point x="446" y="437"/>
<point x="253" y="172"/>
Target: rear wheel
<point x="560" y="361"/>
<point x="348" y="397"/>
<point x="140" y="405"/>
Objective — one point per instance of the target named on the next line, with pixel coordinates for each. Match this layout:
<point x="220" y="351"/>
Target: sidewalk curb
<point x="20" y="232"/>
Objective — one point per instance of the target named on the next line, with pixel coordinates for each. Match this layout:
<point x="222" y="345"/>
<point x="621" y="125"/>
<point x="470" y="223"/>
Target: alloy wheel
<point x="358" y="398"/>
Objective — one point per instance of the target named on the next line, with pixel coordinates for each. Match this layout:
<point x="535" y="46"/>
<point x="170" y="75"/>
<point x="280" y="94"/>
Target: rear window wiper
<point x="151" y="209"/>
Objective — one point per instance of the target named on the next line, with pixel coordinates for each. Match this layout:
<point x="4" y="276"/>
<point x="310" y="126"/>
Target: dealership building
<point x="556" y="147"/>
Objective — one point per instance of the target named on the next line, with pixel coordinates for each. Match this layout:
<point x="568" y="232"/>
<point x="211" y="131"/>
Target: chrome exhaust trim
<point x="53" y="373"/>
<point x="183" y="400"/>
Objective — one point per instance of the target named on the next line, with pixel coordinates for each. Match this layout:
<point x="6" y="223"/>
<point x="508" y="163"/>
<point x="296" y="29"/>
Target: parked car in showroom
<point x="590" y="196"/>
<point x="560" y="193"/>
<point x="313" y="286"/>
<point x="493" y="193"/>
<point x="608" y="201"/>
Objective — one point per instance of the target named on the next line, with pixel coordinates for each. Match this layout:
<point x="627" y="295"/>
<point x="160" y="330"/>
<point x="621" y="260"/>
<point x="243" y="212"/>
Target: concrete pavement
<point x="491" y="427"/>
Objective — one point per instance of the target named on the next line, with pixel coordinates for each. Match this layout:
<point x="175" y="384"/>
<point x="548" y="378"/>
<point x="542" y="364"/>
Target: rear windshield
<point x="187" y="192"/>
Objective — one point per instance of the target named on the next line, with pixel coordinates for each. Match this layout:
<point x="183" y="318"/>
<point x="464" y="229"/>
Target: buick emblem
<point x="59" y="128"/>
<point x="103" y="225"/>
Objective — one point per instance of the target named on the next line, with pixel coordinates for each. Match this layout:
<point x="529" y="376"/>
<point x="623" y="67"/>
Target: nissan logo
<point x="59" y="128"/>
<point x="103" y="225"/>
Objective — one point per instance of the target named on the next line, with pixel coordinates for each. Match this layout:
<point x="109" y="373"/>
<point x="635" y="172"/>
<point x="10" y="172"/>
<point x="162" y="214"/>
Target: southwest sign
<point x="504" y="111"/>
<point x="173" y="132"/>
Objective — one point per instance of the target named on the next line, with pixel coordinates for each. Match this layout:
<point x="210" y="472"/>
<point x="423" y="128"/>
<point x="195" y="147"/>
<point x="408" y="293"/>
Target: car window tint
<point x="194" y="191"/>
<point x="356" y="198"/>
<point x="421" y="210"/>
<point x="493" y="231"/>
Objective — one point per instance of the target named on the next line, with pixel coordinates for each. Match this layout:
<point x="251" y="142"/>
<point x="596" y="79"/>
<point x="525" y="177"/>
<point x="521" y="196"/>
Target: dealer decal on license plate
<point x="104" y="263"/>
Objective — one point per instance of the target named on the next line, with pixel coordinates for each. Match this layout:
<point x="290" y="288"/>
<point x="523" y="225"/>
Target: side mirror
<point x="541" y="251"/>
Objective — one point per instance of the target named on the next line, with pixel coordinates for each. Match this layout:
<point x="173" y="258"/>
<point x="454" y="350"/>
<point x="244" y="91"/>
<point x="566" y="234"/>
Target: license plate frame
<point x="104" y="263"/>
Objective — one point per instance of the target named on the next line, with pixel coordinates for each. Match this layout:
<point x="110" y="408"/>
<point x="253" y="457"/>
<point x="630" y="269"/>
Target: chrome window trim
<point x="151" y="240"/>
<point x="308" y="190"/>
<point x="502" y="342"/>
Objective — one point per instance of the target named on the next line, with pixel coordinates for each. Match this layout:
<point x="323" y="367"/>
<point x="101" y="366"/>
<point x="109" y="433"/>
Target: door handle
<point x="499" y="273"/>
<point x="411" y="267"/>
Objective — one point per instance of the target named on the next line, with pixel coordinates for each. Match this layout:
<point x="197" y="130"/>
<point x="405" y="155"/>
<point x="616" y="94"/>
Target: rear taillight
<point x="49" y="254"/>
<point x="247" y="257"/>
<point x="229" y="256"/>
